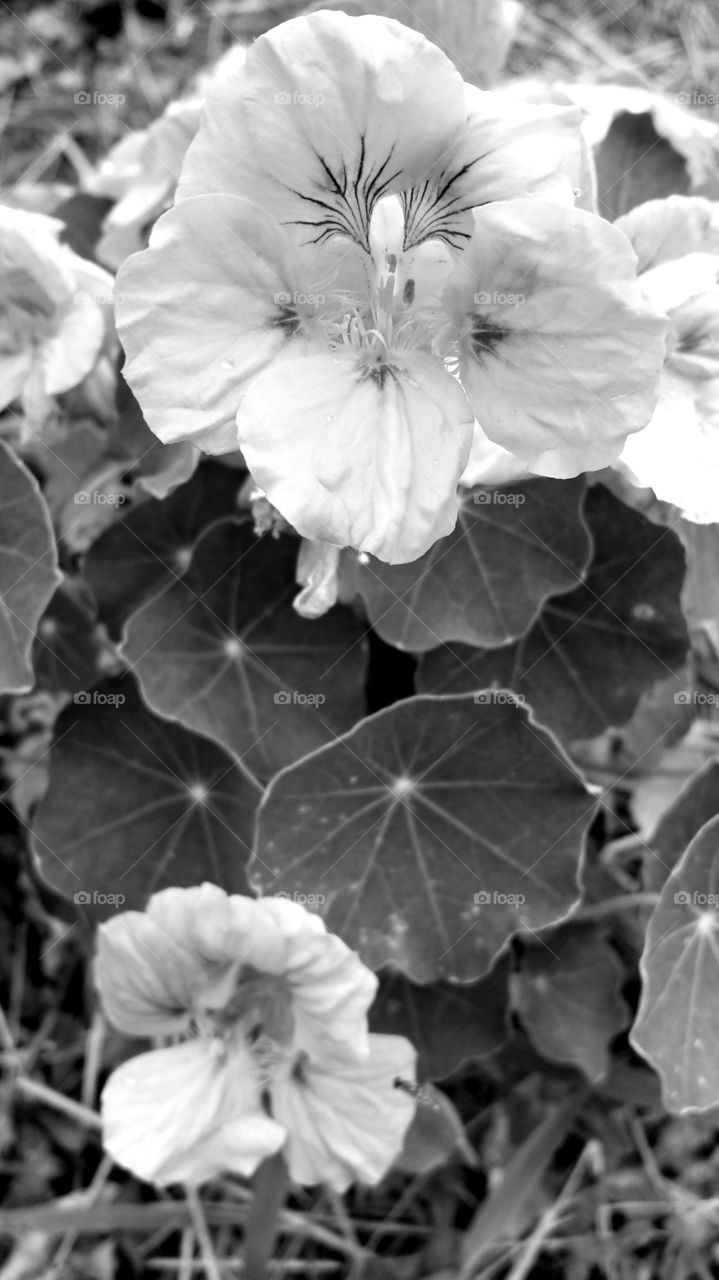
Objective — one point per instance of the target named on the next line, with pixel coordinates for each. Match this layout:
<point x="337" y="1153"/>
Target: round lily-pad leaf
<point x="223" y="651"/>
<point x="136" y="804"/>
<point x="430" y="833"/>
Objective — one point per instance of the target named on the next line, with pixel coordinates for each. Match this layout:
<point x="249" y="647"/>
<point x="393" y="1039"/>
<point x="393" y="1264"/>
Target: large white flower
<point x="351" y="220"/>
<point x="55" y="313"/>
<point x="677" y="454"/>
<point x="273" y="1052"/>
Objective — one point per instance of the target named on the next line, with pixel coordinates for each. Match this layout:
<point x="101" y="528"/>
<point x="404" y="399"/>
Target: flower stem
<point x="269" y="1187"/>
<point x="207" y="1253"/>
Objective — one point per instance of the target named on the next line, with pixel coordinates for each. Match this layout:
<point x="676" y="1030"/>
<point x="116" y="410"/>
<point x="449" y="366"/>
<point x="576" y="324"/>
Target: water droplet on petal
<point x="576" y="192"/>
<point x="229" y="363"/>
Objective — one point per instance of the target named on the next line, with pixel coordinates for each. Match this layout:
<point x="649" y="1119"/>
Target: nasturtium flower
<point x="55" y="315"/>
<point x="330" y="292"/>
<point x="677" y="455"/>
<point x="268" y="1013"/>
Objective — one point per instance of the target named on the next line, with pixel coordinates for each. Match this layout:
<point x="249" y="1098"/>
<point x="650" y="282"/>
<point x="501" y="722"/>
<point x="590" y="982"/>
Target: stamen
<point x="408" y="293"/>
<point x="299" y="1067"/>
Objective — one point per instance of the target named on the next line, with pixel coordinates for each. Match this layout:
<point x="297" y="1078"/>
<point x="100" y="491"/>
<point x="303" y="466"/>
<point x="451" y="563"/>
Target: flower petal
<point x="331" y="989"/>
<point x="147" y="980"/>
<point x="560" y="353"/>
<point x="329" y="114"/>
<point x="663" y="230"/>
<point x="69" y="355"/>
<point x="31" y="248"/>
<point x="346" y="1122"/>
<point x="689" y="133"/>
<point x="14" y="370"/>
<point x="316" y="573"/>
<point x="507" y="150"/>
<point x="677" y="455"/>
<point x="52" y="319"/>
<point x="187" y="1114"/>
<point x="359" y="460"/>
<point x="475" y="34"/>
<point x="675" y="283"/>
<point x="200" y="919"/>
<point x="193" y="337"/>
<point x="490" y="464"/>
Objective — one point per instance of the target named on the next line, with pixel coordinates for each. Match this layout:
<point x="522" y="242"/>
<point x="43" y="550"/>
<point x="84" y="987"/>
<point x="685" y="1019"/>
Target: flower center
<point x="259" y="1011"/>
<point x="259" y="1017"/>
